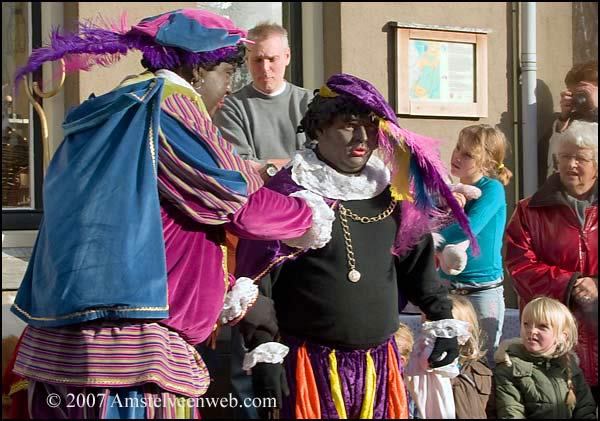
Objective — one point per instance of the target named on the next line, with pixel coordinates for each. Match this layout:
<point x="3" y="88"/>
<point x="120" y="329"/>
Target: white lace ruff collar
<point x="316" y="176"/>
<point x="174" y="77"/>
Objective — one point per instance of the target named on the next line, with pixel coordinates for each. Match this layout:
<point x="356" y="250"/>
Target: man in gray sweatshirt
<point x="261" y="118"/>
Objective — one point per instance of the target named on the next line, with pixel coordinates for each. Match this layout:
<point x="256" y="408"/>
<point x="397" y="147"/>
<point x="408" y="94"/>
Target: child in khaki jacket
<point x="537" y="375"/>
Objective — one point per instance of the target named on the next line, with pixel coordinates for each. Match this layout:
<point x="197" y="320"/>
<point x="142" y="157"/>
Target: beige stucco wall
<point x="102" y="79"/>
<point x="364" y="51"/>
<point x="555" y="58"/>
<point x="356" y="41"/>
<point x="554" y="46"/>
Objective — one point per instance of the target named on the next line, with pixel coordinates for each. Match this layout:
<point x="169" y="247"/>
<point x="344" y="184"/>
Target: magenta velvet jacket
<point x="197" y="261"/>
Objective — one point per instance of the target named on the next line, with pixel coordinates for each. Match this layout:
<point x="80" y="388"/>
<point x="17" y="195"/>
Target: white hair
<point x="581" y="133"/>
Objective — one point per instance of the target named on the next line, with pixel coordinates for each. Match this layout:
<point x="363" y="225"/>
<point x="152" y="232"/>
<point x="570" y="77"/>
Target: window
<point x="21" y="143"/>
<point x="248" y="14"/>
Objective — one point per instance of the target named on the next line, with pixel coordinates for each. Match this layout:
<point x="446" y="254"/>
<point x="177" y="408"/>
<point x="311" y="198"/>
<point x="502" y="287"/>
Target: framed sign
<point x="440" y="72"/>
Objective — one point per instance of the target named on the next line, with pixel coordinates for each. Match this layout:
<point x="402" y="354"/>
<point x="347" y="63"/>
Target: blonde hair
<point x="462" y="309"/>
<point x="404" y="341"/>
<point x="555" y="314"/>
<point x="488" y="146"/>
<point x="264" y="30"/>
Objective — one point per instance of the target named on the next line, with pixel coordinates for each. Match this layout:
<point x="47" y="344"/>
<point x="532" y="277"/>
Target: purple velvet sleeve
<point x="254" y="258"/>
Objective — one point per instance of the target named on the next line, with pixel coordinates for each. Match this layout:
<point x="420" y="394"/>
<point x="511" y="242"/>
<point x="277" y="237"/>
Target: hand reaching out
<point x="565" y="104"/>
<point x="585" y="291"/>
<point x="463" y="192"/>
<point x="460" y="198"/>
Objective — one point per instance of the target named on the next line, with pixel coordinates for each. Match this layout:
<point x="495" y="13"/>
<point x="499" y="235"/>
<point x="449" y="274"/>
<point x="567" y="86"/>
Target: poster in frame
<point x="440" y="71"/>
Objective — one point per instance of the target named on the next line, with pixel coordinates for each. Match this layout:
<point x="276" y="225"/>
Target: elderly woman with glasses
<point x="552" y="241"/>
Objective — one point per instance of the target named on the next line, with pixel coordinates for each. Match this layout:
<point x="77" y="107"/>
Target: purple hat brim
<point x="427" y="171"/>
<point x="216" y="41"/>
<point x="367" y="95"/>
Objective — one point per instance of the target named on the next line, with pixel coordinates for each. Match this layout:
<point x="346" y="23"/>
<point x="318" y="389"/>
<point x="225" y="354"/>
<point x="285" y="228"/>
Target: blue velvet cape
<point x="100" y="248"/>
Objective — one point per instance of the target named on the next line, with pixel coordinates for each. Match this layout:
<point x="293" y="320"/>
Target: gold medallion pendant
<point x="353" y="274"/>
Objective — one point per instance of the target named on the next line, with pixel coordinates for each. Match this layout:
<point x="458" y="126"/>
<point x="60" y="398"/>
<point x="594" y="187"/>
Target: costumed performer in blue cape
<point x="129" y="270"/>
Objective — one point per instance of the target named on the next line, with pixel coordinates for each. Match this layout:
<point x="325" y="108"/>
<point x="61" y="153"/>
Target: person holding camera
<point x="578" y="102"/>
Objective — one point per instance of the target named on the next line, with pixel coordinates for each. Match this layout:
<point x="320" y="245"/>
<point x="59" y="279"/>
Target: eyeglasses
<point x="580" y="159"/>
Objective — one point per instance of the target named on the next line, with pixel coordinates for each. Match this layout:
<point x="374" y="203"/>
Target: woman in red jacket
<point x="552" y="240"/>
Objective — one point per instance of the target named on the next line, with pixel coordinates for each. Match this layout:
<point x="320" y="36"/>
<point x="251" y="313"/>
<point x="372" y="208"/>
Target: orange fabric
<point x="231" y="242"/>
<point x="397" y="403"/>
<point x="307" y="395"/>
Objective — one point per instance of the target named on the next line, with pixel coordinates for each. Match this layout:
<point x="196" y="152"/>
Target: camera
<point x="581" y="107"/>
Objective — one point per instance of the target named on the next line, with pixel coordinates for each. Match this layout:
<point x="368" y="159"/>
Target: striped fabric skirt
<point x="332" y="384"/>
<point x="110" y="370"/>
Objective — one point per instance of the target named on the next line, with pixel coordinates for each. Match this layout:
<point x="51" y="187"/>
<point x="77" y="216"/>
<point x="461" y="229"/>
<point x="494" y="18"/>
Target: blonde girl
<point x="404" y="341"/>
<point x="472" y="388"/>
<point x="537" y="375"/>
<point x="478" y="160"/>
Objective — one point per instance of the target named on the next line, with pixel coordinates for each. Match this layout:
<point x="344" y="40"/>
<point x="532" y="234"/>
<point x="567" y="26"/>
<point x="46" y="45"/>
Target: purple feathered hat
<point x="181" y="37"/>
<point x="418" y="174"/>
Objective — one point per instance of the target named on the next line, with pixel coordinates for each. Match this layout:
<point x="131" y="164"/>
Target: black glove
<point x="269" y="381"/>
<point x="259" y="325"/>
<point x="443" y="345"/>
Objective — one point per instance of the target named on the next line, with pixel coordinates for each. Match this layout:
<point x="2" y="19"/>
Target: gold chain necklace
<point x="353" y="274"/>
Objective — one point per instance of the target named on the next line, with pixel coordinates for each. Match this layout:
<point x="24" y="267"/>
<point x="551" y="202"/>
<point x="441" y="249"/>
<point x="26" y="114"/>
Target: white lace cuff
<point x="320" y="233"/>
<point x="447" y="328"/>
<point x="269" y="352"/>
<point x="238" y="300"/>
<point x="454" y="259"/>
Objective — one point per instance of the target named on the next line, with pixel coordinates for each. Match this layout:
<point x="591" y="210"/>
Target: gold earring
<point x="197" y="85"/>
